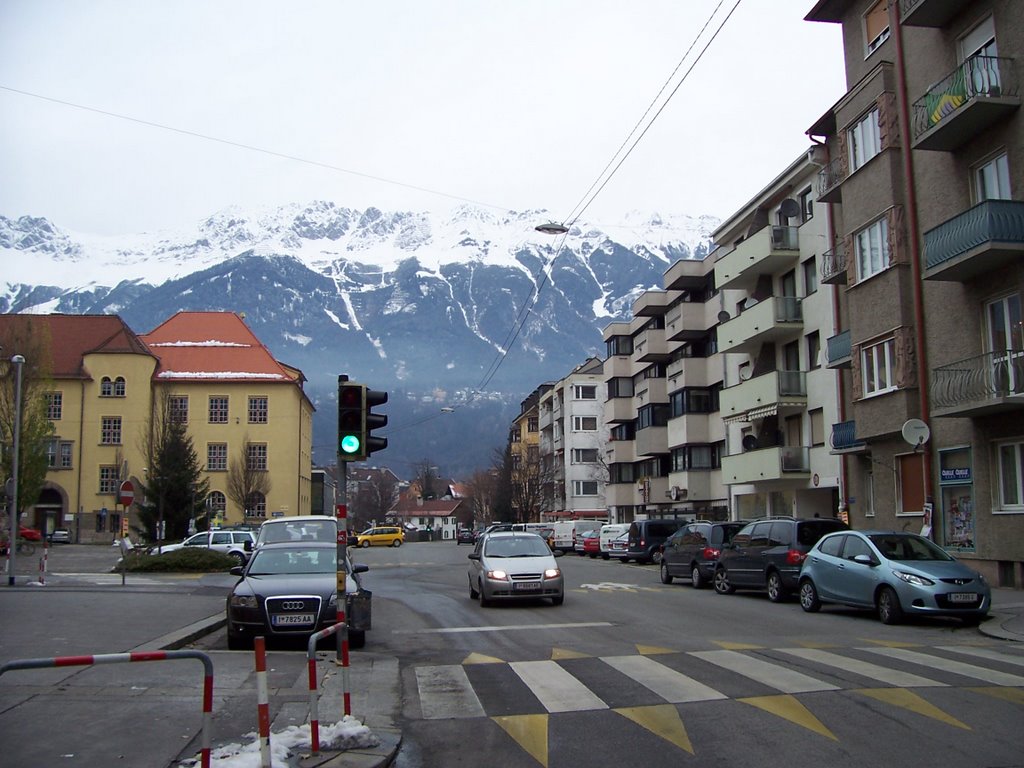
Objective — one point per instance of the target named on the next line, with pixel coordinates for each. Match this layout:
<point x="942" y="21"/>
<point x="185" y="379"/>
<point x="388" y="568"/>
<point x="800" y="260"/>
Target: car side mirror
<point x="247" y="546"/>
<point x="865" y="560"/>
<point x="474" y="556"/>
<point x="360" y="567"/>
<point x="236" y="570"/>
<point x="557" y="553"/>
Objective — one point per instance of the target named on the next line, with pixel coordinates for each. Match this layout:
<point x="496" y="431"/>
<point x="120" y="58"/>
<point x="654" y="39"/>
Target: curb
<point x="996" y="627"/>
<point x="182" y="637"/>
<point x="380" y="756"/>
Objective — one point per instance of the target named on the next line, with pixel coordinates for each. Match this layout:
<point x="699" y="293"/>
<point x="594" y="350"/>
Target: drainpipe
<point x="915" y="245"/>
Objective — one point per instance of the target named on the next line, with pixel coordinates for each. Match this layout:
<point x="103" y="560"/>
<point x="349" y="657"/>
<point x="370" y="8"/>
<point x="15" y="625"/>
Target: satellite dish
<point x="749" y="442"/>
<point x="916" y="432"/>
<point x="723" y="317"/>
<point x="790" y="208"/>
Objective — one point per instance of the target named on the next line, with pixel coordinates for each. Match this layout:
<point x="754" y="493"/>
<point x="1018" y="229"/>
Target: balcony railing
<point x="967" y="100"/>
<point x="976" y="241"/>
<point x="829" y="179"/>
<point x="833" y="265"/>
<point x="844" y="437"/>
<point x="838" y="350"/>
<point x="986" y="383"/>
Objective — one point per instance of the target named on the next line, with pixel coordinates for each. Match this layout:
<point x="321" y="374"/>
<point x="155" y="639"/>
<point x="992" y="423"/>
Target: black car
<point x="692" y="552"/>
<point x="465" y="536"/>
<point x="646" y="538"/>
<point x="289" y="590"/>
<point x="767" y="554"/>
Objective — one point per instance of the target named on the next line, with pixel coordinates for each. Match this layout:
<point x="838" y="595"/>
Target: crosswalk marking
<point x="950" y="665"/>
<point x="674" y="687"/>
<point x="556" y="689"/>
<point x="445" y="692"/>
<point x="984" y="653"/>
<point x="862" y="668"/>
<point x="772" y="675"/>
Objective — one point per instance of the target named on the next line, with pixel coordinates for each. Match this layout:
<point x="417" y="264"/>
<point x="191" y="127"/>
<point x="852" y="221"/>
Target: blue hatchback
<point x="893" y="573"/>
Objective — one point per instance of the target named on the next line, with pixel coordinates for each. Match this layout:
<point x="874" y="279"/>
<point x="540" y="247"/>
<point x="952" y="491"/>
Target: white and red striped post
<point x="42" y="561"/>
<point x="262" y="700"/>
<point x="341" y="599"/>
<point x="314" y="696"/>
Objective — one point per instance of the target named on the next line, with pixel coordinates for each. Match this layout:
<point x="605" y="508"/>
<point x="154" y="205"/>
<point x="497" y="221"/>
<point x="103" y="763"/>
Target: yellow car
<point x="385" y="535"/>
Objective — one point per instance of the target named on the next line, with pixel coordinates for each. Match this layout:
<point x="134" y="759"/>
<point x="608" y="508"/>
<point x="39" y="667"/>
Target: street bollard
<point x="262" y="700"/>
<point x="314" y="697"/>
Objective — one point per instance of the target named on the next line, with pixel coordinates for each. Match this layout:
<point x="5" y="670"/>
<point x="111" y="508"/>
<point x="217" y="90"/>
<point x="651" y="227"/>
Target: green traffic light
<point x="350" y="444"/>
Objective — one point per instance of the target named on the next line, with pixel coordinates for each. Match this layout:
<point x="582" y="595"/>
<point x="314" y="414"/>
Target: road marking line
<point x="863" y="668"/>
<point x="555" y="688"/>
<point x="772" y="675"/>
<point x="984" y="653"/>
<point x="949" y="665"/>
<point x="790" y="709"/>
<point x="505" y="628"/>
<point x="900" y="697"/>
<point x="674" y="687"/>
<point x="445" y="692"/>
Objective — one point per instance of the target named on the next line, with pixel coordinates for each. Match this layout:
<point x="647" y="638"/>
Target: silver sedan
<point x="513" y="565"/>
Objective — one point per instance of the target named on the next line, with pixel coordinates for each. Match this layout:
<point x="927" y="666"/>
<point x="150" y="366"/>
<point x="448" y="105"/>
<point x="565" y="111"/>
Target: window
<point x="865" y="140"/>
<point x="817" y="426"/>
<point x="258" y="409"/>
<point x="216" y="457"/>
<point x="110" y="480"/>
<point x="872" y="248"/>
<point x="693" y="400"/>
<point x="621" y="386"/>
<point x="696" y="457"/>
<point x="810" y="269"/>
<point x="217" y="503"/>
<point x="878" y="366"/>
<point x="256" y="505"/>
<point x="1011" y="476"/>
<point x="256" y="457"/>
<point x="992" y="180"/>
<point x="625" y="431"/>
<point x="619" y="345"/>
<point x="515" y="436"/>
<point x="584" y="455"/>
<point x="806" y="205"/>
<point x="584" y="488"/>
<point x="876" y="25"/>
<point x="656" y="415"/>
<point x="58" y="454"/>
<point x="531" y="424"/>
<point x="110" y="430"/>
<point x="54" y="405"/>
<point x="112" y="388"/>
<point x="1005" y="325"/>
<point x="218" y="410"/>
<point x="585" y="392"/>
<point x="584" y="423"/>
<point x="813" y="350"/>
<point x="178" y="409"/>
<point x="910" y="483"/>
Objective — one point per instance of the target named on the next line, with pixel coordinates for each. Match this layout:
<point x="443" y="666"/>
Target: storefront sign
<point x="957" y="475"/>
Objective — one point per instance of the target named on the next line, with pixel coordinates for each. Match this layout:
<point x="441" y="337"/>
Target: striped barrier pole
<point x="314" y="696"/>
<point x="42" y="562"/>
<point x="262" y="700"/>
<point x="119" y="658"/>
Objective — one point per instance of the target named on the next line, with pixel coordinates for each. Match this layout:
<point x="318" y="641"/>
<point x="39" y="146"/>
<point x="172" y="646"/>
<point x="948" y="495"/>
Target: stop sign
<point x="126" y="493"/>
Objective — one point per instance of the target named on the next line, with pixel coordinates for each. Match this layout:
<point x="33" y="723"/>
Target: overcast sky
<point x="516" y="104"/>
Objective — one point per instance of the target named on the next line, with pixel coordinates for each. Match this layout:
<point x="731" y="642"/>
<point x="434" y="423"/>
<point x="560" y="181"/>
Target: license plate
<point x="962" y="597"/>
<point x="292" y="619"/>
<point x="526" y="586"/>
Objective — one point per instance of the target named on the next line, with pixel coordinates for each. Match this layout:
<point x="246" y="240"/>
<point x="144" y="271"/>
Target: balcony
<point x="985" y="237"/>
<point x="844" y="439"/>
<point x="690" y="372"/>
<point x="651" y="304"/>
<point x="618" y="410"/>
<point x="621" y="452"/>
<point x="652" y="441"/>
<point x="767" y="251"/>
<point x="979" y="92"/>
<point x="686" y="275"/>
<point x="833" y="265"/>
<point x="830" y="179"/>
<point x="780" y="462"/>
<point x="692" y="428"/>
<point x="687" y="321"/>
<point x="764" y="395"/>
<point x="650" y="346"/>
<point x="767" y="321"/>
<point x="618" y="366"/>
<point x="930" y="13"/>
<point x="979" y="386"/>
<point x="838" y="351"/>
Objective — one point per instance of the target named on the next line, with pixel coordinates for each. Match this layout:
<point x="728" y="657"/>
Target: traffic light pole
<point x="341" y="598"/>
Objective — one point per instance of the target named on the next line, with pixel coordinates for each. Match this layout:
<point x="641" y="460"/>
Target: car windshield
<point x="299" y="560"/>
<point x="894" y="546"/>
<point x="517" y="546"/>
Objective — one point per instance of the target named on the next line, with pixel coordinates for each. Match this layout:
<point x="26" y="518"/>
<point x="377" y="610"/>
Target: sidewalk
<point x="1006" y="619"/>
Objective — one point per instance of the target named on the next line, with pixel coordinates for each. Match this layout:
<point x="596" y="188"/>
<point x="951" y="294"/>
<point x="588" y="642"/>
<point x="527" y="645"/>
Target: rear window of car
<point x="722" y="534"/>
<point x="661" y="529"/>
<point x="809" y="531"/>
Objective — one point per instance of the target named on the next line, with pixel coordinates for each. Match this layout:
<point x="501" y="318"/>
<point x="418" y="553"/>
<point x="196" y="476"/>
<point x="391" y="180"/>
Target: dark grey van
<point x="692" y="552"/>
<point x="646" y="538"/>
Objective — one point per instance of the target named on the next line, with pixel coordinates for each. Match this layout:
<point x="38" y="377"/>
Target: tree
<point x="426" y="479"/>
<point x="174" y="487"/>
<point x="483" y="490"/>
<point x="502" y="505"/>
<point x="527" y="487"/>
<point x="378" y="495"/>
<point x="245" y="480"/>
<point x="36" y="430"/>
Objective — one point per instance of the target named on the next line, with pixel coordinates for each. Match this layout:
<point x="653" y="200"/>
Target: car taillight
<point x="795" y="557"/>
<point x="710" y="553"/>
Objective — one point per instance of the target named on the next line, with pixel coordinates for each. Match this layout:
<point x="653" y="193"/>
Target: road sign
<point x="126" y="494"/>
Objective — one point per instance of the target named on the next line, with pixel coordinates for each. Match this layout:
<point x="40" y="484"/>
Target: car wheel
<point x="473" y="594"/>
<point x="656" y="557"/>
<point x="356" y="638"/>
<point x="238" y="557"/>
<point x="889" y="609"/>
<point x="558" y="599"/>
<point x="238" y="643"/>
<point x="484" y="602"/>
<point x="776" y="592"/>
<point x="809" y="596"/>
<point x="666" y="577"/>
<point x="722" y="585"/>
<point x="696" y="580"/>
<point x="396" y="543"/>
<point x="364" y="543"/>
<point x="604" y="556"/>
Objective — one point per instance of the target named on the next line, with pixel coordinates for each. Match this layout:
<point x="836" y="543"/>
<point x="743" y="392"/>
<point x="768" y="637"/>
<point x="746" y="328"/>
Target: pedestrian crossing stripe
<point x="787" y="707"/>
<point x="901" y="697"/>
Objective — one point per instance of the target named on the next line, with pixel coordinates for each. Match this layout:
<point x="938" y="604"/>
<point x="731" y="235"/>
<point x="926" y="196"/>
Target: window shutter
<point x="877" y="19"/>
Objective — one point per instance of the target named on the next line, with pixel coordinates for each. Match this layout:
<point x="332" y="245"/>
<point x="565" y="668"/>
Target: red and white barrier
<point x="262" y="700"/>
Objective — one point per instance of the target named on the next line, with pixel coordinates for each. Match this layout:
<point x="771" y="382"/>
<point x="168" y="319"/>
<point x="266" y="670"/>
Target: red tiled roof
<point x="70" y="337"/>
<point x="434" y="507"/>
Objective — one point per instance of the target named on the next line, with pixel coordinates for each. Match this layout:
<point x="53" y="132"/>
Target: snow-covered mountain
<point x="466" y="309"/>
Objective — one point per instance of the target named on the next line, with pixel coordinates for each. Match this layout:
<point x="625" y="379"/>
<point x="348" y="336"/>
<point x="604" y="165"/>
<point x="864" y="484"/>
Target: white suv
<point x="231" y="543"/>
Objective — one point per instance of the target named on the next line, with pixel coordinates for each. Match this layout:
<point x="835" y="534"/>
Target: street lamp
<point x="12" y="545"/>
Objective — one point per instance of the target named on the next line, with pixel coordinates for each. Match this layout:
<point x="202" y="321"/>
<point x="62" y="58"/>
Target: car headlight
<point x="497" y="574"/>
<point x="552" y="573"/>
<point x="244" y="601"/>
<point x="913" y="578"/>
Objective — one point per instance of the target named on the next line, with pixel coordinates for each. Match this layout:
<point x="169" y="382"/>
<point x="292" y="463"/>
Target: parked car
<point x="384" y="535"/>
<point x="289" y="590"/>
<point x="465" y="536"/>
<point x="231" y="543"/>
<point x="894" y="574"/>
<point x="297" y="528"/>
<point x="609" y="532"/>
<point x="646" y="538"/>
<point x="767" y="554"/>
<point x="511" y="565"/>
<point x="618" y="546"/>
<point x="31" y="534"/>
<point x="692" y="552"/>
<point x="567" y="531"/>
<point x="60" y="536"/>
<point x="591" y="543"/>
<point x="579" y="546"/>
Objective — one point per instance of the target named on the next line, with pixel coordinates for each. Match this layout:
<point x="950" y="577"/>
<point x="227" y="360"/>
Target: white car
<point x="231" y="543"/>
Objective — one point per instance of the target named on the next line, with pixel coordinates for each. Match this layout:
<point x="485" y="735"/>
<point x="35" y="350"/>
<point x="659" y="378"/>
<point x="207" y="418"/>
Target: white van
<point x="566" y="531"/>
<point x="609" y="532"/>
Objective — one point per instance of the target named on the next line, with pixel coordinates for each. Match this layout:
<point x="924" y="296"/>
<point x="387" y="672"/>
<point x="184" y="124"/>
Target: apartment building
<point x="524" y="447"/>
<point x="573" y="474"/>
<point x="924" y="172"/>
<point x="663" y="377"/>
<point x="777" y="396"/>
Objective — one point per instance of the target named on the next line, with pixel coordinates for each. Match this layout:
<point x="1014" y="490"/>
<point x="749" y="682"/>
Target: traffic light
<point x="374" y="421"/>
<point x="351" y="421"/>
